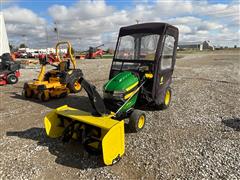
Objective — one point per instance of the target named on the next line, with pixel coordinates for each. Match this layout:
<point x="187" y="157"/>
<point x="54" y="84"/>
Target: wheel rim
<point x="141" y="122"/>
<point x="13" y="79"/>
<point x="167" y="97"/>
<point x="77" y="86"/>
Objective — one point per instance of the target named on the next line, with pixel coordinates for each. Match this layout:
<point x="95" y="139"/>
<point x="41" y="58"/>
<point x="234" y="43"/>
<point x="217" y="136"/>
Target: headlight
<point x="113" y="95"/>
<point x="119" y="94"/>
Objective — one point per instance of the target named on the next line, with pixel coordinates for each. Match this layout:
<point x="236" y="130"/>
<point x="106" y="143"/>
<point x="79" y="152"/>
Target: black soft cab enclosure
<point x="147" y="47"/>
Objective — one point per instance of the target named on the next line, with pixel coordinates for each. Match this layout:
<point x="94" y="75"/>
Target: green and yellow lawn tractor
<point x="58" y="82"/>
<point x="140" y="76"/>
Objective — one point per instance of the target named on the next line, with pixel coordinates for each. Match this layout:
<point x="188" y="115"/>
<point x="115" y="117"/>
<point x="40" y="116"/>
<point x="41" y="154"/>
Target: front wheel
<point x="137" y="121"/>
<point x="12" y="79"/>
<point x="75" y="86"/>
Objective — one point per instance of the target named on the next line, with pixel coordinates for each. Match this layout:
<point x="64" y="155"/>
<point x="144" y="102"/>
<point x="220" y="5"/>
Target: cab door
<point x="165" y="68"/>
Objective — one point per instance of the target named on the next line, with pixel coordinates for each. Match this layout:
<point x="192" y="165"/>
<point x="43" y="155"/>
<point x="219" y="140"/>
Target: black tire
<point x="12" y="79"/>
<point x="43" y="97"/>
<point x="63" y="95"/>
<point x="27" y="93"/>
<point x="74" y="86"/>
<point x="167" y="99"/>
<point x="137" y="121"/>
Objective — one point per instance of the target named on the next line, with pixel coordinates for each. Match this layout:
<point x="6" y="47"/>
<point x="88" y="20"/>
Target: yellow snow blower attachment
<point x="99" y="134"/>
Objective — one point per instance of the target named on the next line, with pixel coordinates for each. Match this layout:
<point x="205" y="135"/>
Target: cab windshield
<point x="139" y="46"/>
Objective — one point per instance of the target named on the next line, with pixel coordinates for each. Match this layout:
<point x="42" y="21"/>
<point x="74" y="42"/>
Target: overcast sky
<point x="90" y="23"/>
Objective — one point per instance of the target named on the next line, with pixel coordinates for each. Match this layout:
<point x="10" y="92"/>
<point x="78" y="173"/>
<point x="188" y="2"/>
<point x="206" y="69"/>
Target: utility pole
<point x="79" y="40"/>
<point x="24" y="39"/>
<point x="56" y="30"/>
<point x="47" y="40"/>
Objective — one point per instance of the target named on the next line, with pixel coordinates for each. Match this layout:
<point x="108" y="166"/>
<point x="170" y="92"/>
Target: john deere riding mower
<point x="58" y="82"/>
<point x="140" y="76"/>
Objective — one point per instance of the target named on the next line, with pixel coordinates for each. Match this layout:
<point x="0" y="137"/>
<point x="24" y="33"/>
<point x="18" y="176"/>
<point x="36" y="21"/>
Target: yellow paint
<point x="51" y="123"/>
<point x="52" y="84"/>
<point x="130" y="94"/>
<point x="112" y="130"/>
<point x="167" y="97"/>
<point x="161" y="80"/>
<point x="77" y="85"/>
<point x="42" y="73"/>
<point x="141" y="122"/>
<point x="113" y="143"/>
<point x="149" y="75"/>
<point x="132" y="86"/>
<point x="54" y="79"/>
<point x="104" y="122"/>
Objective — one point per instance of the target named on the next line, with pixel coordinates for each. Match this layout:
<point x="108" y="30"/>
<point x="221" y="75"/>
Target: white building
<point x="196" y="45"/>
<point x="4" y="45"/>
<point x="208" y="45"/>
<point x="44" y="51"/>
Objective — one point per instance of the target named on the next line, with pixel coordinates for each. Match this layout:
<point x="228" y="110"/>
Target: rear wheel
<point x="167" y="99"/>
<point x="137" y="121"/>
<point x="75" y="86"/>
<point x="27" y="93"/>
<point x="43" y="96"/>
<point x="63" y="95"/>
<point x="12" y="79"/>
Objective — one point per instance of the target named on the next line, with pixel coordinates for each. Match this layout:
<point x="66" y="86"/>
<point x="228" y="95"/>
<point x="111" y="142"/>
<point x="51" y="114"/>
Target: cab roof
<point x="154" y="28"/>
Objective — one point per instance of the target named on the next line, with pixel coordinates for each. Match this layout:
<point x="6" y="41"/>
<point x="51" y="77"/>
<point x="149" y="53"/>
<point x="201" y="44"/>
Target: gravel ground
<point x="198" y="137"/>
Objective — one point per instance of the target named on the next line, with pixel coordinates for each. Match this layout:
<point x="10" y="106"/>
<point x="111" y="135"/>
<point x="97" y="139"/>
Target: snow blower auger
<point x="140" y="75"/>
<point x="57" y="82"/>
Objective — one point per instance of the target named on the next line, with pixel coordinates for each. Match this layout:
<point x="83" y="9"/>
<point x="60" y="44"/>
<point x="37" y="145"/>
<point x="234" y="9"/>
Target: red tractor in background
<point x="94" y="52"/>
<point x="9" y="70"/>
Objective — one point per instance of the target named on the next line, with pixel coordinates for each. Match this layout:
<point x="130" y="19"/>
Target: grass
<point x="108" y="56"/>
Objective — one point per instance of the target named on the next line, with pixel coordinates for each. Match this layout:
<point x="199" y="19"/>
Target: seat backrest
<point x="63" y="66"/>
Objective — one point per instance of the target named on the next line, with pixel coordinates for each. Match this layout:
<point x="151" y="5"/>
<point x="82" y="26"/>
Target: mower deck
<point x="53" y="84"/>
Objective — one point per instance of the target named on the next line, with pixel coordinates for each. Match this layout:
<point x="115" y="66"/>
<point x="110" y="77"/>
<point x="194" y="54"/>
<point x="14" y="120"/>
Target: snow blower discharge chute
<point x="140" y="76"/>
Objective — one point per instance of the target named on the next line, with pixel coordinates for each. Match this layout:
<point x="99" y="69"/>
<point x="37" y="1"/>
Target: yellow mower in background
<point x="140" y="76"/>
<point x="58" y="82"/>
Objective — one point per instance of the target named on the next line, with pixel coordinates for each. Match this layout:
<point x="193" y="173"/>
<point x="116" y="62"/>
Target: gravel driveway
<point x="198" y="137"/>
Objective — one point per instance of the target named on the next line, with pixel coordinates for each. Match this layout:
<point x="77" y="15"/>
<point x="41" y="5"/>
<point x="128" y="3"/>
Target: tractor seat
<point x="5" y="72"/>
<point x="64" y="66"/>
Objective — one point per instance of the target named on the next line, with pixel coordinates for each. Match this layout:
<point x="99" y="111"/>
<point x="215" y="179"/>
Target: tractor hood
<point x="121" y="82"/>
